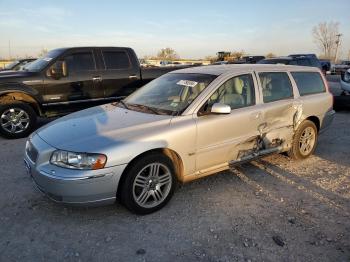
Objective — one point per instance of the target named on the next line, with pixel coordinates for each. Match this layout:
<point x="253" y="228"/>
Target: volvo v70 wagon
<point x="184" y="125"/>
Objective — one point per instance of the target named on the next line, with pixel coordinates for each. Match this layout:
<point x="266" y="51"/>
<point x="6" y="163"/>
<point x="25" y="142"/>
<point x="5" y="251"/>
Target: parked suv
<point x="184" y="125"/>
<point x="67" y="80"/>
<point x="301" y="60"/>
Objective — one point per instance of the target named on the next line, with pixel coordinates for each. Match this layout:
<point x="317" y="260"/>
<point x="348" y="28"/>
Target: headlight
<point x="78" y="160"/>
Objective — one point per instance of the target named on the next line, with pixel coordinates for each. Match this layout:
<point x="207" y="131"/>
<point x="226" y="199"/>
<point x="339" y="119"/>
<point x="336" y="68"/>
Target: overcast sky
<point x="193" y="28"/>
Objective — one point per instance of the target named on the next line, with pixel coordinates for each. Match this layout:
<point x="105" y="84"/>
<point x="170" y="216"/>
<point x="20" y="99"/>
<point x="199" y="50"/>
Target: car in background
<point x="341" y="68"/>
<point x="326" y="65"/>
<point x="182" y="126"/>
<point x="303" y="60"/>
<point x="252" y="59"/>
<point x="67" y="80"/>
<point x="18" y="64"/>
<point x="345" y="82"/>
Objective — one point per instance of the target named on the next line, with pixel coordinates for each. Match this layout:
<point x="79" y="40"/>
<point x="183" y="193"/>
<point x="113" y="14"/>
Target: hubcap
<point x="307" y="141"/>
<point x="14" y="120"/>
<point x="152" y="185"/>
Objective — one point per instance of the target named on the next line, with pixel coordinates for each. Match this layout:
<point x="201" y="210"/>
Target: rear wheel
<point x="305" y="140"/>
<point x="149" y="184"/>
<point x="17" y="120"/>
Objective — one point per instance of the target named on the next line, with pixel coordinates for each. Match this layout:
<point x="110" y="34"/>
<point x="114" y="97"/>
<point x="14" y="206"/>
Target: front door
<point x="223" y="138"/>
<point x="79" y="84"/>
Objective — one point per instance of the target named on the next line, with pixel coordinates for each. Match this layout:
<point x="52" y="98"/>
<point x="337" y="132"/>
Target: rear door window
<point x="309" y="83"/>
<point x="116" y="60"/>
<point x="275" y="86"/>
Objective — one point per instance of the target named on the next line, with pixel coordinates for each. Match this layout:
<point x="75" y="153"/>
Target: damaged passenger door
<point x="221" y="138"/>
<point x="279" y="110"/>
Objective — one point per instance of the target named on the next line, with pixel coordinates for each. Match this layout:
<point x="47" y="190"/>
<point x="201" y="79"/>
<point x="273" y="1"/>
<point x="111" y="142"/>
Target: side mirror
<point x="57" y="70"/>
<point x="219" y="108"/>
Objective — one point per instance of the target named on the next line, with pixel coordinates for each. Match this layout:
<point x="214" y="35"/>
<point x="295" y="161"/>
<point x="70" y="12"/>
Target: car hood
<point x="99" y="128"/>
<point x="5" y="75"/>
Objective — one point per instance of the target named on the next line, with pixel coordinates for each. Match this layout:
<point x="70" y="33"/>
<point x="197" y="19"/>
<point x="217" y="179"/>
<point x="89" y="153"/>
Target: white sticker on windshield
<point x="47" y="59"/>
<point x="187" y="83"/>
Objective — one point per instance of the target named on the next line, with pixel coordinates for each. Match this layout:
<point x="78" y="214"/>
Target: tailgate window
<point x="309" y="83"/>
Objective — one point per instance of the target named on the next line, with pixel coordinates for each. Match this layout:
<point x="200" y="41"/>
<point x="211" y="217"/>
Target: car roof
<point x="232" y="68"/>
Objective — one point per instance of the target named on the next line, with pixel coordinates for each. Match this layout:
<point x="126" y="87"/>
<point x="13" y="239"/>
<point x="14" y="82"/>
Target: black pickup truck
<point x="67" y="80"/>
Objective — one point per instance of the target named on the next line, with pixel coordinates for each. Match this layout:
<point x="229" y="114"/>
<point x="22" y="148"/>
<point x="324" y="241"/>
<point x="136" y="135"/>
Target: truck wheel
<point x="149" y="184"/>
<point x="17" y="120"/>
<point x="305" y="141"/>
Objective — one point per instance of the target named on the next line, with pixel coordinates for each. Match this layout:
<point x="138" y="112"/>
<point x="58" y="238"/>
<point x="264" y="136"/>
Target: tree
<point x="236" y="55"/>
<point x="325" y="36"/>
<point x="43" y="52"/>
<point x="270" y="55"/>
<point x="167" y="54"/>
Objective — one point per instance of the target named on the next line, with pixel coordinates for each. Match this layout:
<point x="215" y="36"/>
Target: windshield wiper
<point x="146" y="108"/>
<point x="124" y="104"/>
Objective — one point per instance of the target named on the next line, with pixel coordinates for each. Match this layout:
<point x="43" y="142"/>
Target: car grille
<point x="31" y="152"/>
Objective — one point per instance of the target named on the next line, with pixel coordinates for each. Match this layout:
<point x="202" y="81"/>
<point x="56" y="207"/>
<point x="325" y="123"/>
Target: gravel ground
<point x="272" y="209"/>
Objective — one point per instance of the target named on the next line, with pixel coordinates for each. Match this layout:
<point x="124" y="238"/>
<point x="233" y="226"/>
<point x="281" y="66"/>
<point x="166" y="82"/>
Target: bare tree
<point x="270" y="55"/>
<point x="325" y="36"/>
<point x="43" y="52"/>
<point x="167" y="54"/>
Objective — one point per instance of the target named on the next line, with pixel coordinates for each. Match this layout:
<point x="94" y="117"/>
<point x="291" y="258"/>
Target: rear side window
<point x="275" y="86"/>
<point x="309" y="83"/>
<point x="116" y="59"/>
<point x="80" y="62"/>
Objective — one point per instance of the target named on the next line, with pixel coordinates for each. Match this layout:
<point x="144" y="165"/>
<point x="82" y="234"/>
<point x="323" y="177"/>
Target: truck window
<point x="116" y="59"/>
<point x="80" y="62"/>
<point x="304" y="62"/>
<point x="236" y="92"/>
<point x="309" y="83"/>
<point x="275" y="86"/>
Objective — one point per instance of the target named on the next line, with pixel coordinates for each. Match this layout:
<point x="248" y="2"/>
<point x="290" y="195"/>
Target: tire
<point x="17" y="120"/>
<point x="143" y="194"/>
<point x="298" y="150"/>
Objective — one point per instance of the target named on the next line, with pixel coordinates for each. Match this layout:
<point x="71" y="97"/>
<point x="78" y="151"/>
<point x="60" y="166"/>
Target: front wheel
<point x="305" y="140"/>
<point x="17" y="120"/>
<point x="149" y="184"/>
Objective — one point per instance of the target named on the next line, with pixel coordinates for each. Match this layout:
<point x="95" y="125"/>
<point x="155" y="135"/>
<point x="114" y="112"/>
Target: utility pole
<point x="9" y="50"/>
<point x="337" y="42"/>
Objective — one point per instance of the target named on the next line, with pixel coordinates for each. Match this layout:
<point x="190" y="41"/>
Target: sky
<point x="194" y="28"/>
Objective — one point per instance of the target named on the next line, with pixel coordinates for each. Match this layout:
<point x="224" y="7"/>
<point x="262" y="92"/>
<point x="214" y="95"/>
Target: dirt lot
<point x="269" y="210"/>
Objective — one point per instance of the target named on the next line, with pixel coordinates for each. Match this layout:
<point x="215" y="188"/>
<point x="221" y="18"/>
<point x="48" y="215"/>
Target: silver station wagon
<point x="185" y="125"/>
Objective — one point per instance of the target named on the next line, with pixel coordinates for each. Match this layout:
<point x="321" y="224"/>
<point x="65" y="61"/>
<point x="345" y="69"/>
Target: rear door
<point x="279" y="108"/>
<point x="120" y="73"/>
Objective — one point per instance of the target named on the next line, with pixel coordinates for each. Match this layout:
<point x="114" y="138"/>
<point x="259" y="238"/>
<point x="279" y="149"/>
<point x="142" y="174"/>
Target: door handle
<point x="133" y="77"/>
<point x="97" y="79"/>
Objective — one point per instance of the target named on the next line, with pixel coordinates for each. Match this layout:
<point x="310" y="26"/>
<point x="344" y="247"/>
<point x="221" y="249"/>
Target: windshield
<point x="169" y="94"/>
<point x="11" y="65"/>
<point x="42" y="62"/>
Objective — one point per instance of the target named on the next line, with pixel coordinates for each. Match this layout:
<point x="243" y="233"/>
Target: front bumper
<point x="76" y="187"/>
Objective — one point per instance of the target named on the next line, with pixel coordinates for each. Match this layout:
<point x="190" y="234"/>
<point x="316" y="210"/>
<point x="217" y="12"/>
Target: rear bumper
<point x="327" y="120"/>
